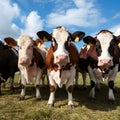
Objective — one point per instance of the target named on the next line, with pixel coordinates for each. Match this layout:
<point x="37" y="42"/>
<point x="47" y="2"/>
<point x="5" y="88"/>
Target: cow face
<point x="60" y="43"/>
<point x="103" y="48"/>
<point x="25" y="44"/>
<point x="105" y="59"/>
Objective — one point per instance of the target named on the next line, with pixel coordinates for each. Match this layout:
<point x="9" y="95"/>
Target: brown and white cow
<point x="40" y="44"/>
<point x="61" y="60"/>
<point x="102" y="59"/>
<point x="31" y="61"/>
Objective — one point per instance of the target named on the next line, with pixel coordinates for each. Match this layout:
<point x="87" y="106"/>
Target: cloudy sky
<point x="29" y="16"/>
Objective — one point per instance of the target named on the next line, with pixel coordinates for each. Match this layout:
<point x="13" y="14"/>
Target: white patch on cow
<point x="61" y="36"/>
<point x="65" y="75"/>
<point x="105" y="39"/>
<point x="54" y="79"/>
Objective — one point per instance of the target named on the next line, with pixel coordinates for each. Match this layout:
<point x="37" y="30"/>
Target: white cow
<point x="31" y="61"/>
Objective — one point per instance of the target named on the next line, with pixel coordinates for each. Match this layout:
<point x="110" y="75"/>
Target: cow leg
<point x="76" y="79"/>
<point x="92" y="92"/>
<point x="52" y="96"/>
<point x="22" y="95"/>
<point x="111" y="91"/>
<point x="43" y="80"/>
<point x="23" y="84"/>
<point x="11" y="83"/>
<point x="69" y="88"/>
<point x="111" y="79"/>
<point x="92" y="83"/>
<point x="47" y="81"/>
<point x="52" y="87"/>
<point x="37" y="85"/>
<point x="0" y="88"/>
<point x="84" y="76"/>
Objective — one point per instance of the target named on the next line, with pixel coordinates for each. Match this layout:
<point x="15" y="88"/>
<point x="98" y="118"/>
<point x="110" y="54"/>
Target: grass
<point x="30" y="109"/>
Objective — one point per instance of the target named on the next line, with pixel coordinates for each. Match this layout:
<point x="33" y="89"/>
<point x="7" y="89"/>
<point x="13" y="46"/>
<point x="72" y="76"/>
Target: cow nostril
<point x="101" y="61"/>
<point x="109" y="61"/>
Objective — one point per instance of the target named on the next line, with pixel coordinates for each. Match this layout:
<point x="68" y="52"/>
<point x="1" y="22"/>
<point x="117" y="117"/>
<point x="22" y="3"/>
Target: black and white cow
<point x="102" y="56"/>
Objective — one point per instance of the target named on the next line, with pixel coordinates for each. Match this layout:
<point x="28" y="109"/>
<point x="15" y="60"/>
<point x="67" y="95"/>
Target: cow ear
<point x="38" y="42"/>
<point x="10" y="41"/>
<point x="77" y="36"/>
<point x="118" y="40"/>
<point x="45" y="36"/>
<point x="89" y="40"/>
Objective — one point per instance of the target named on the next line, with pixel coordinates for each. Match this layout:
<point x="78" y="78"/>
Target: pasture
<point x="11" y="108"/>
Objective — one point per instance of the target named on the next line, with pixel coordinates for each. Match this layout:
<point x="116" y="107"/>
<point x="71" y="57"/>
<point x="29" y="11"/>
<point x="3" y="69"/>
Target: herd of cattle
<point x="99" y="57"/>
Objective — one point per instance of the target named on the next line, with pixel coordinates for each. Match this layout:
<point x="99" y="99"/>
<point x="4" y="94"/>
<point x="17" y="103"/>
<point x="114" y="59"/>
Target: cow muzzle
<point x="62" y="59"/>
<point x="24" y="61"/>
<point x="105" y="62"/>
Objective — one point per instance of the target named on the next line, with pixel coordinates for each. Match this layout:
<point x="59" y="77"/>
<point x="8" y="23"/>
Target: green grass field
<point x="11" y="108"/>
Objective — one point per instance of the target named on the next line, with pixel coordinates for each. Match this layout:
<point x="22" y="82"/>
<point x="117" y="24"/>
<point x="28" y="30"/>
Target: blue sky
<point x="29" y="16"/>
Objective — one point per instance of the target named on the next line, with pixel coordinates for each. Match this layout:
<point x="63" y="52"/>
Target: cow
<point x="40" y="44"/>
<point x="8" y="64"/>
<point x="102" y="59"/>
<point x="82" y="67"/>
<point x="30" y="62"/>
<point x="61" y="60"/>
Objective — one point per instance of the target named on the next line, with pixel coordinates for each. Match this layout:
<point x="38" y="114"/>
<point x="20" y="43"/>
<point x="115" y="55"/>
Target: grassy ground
<point x="30" y="109"/>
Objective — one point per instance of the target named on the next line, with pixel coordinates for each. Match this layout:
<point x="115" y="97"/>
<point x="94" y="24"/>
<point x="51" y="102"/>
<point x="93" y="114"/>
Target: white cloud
<point x="12" y="21"/>
<point x="84" y="14"/>
<point x="34" y="23"/>
<point x="116" y="16"/>
<point x="8" y="13"/>
<point x="116" y="29"/>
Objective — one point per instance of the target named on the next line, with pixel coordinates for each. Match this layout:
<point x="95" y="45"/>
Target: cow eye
<point x="29" y="47"/>
<point x="20" y="47"/>
<point x="98" y="48"/>
<point x="54" y="44"/>
<point x="66" y="45"/>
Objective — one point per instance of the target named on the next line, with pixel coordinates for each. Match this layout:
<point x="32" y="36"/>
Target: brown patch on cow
<point x="70" y="89"/>
<point x="83" y="63"/>
<point x="74" y="55"/>
<point x="92" y="56"/>
<point x="52" y="88"/>
<point x="37" y="57"/>
<point x="50" y="58"/>
<point x="83" y="52"/>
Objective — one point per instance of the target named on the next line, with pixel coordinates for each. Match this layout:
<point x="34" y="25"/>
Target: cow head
<point x="25" y="44"/>
<point x="103" y="49"/>
<point x="26" y="48"/>
<point x="61" y="43"/>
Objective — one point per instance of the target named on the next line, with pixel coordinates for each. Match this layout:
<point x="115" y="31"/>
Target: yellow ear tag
<point x="118" y="44"/>
<point x="45" y="39"/>
<point x="77" y="39"/>
<point x="39" y="45"/>
<point x="90" y="44"/>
